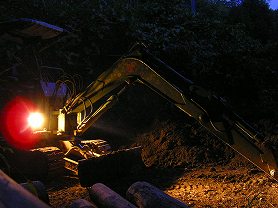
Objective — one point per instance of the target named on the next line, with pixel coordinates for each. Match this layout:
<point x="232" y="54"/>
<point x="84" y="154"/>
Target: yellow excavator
<point x="139" y="66"/>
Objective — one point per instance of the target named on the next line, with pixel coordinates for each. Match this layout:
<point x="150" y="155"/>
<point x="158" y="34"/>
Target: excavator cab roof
<point x="24" y="30"/>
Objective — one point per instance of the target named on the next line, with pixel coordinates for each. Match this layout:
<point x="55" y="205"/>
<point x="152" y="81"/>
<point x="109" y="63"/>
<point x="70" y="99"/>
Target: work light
<point x="35" y="120"/>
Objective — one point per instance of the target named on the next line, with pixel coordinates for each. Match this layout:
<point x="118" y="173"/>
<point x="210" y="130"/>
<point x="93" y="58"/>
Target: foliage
<point x="256" y="16"/>
<point x="229" y="47"/>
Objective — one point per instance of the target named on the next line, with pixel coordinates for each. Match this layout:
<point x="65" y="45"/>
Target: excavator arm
<point x="140" y="66"/>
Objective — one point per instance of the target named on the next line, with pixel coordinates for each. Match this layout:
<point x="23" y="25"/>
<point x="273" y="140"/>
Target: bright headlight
<point x="35" y="120"/>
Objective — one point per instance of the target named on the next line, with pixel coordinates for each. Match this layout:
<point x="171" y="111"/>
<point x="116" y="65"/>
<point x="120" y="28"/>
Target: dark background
<point x="230" y="48"/>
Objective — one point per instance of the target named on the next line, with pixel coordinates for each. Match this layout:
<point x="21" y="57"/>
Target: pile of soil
<point x="179" y="144"/>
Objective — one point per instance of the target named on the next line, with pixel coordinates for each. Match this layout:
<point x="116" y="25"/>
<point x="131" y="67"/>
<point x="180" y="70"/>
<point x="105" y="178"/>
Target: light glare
<point x="35" y="120"/>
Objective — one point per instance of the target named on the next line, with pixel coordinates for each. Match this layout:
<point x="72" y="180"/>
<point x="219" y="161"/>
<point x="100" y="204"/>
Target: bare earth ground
<point x="189" y="165"/>
<point x="200" y="187"/>
<point x="225" y="188"/>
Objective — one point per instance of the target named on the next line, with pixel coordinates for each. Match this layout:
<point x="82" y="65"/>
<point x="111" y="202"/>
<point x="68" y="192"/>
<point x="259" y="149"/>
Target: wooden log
<point x="13" y="195"/>
<point x="145" y="195"/>
<point x="2" y="205"/>
<point x="107" y="198"/>
<point x="82" y="203"/>
<point x="38" y="189"/>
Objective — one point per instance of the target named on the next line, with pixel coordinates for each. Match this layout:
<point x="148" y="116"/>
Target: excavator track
<point x="37" y="164"/>
<point x="54" y="161"/>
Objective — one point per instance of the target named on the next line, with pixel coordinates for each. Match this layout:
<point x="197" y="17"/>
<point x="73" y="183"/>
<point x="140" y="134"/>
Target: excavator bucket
<point x="122" y="163"/>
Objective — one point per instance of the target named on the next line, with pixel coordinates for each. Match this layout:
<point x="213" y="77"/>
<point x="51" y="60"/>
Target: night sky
<point x="273" y="4"/>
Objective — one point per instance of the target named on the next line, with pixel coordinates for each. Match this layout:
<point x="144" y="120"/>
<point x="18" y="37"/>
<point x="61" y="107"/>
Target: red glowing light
<point x="15" y="126"/>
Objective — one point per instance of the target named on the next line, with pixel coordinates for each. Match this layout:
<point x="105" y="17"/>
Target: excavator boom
<point x="140" y="66"/>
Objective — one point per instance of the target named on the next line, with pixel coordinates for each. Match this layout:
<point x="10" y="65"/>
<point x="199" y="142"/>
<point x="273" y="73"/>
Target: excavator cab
<point x="28" y="76"/>
<point x="58" y="148"/>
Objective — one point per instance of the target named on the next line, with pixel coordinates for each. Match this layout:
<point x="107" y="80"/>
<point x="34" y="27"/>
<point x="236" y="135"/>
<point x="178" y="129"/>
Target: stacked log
<point x="13" y="195"/>
<point x="107" y="198"/>
<point x="82" y="203"/>
<point x="145" y="195"/>
<point x="139" y="194"/>
<point x="38" y="189"/>
<point x="142" y="194"/>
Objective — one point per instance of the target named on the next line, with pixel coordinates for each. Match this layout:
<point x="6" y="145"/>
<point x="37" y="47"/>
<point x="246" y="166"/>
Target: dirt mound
<point x="182" y="144"/>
